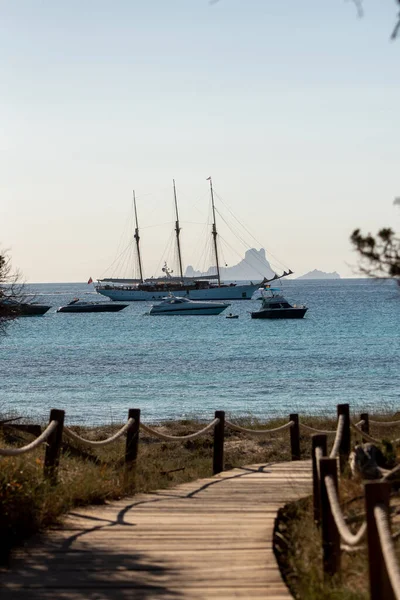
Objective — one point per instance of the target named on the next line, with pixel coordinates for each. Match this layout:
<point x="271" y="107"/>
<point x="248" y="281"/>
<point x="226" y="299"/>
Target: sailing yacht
<point x="209" y="287"/>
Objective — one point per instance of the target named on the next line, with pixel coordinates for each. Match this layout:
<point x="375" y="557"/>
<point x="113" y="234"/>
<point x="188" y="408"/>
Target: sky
<point x="292" y="108"/>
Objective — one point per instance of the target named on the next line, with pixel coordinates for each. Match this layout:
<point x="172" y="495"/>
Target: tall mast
<point x="137" y="238"/>
<point x="214" y="232"/>
<point x="177" y="230"/>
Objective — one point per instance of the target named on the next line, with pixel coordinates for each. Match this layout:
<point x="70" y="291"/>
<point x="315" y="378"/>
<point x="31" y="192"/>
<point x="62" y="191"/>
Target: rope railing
<point x="388" y="475"/>
<point x="97" y="443"/>
<point x="43" y="437"/>
<point x="384" y="570"/>
<point x="318" y="455"/>
<point x="385" y="423"/>
<point x="178" y="438"/>
<point x="338" y="439"/>
<point x="387" y="548"/>
<point x="351" y="539"/>
<point x="365" y="435"/>
<point x="259" y="432"/>
<point x="370" y="438"/>
<point x="313" y="430"/>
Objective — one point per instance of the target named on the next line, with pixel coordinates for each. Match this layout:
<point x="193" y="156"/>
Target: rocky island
<point x="316" y="274"/>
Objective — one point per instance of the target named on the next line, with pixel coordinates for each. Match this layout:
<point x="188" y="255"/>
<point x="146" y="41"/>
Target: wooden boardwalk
<point x="208" y="539"/>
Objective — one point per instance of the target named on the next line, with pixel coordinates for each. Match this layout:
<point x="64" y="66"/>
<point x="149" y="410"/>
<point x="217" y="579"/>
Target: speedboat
<point x="275" y="306"/>
<point x="175" y="305"/>
<point x="24" y="309"/>
<point x="77" y="305"/>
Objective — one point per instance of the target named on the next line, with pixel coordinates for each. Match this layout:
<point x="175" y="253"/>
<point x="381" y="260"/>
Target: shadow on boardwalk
<point x="205" y="539"/>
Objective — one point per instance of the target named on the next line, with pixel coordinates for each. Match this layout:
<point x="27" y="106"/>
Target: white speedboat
<point x="175" y="305"/>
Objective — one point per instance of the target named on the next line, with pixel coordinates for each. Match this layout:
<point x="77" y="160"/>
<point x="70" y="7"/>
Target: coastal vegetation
<point x="299" y="549"/>
<point x="380" y="254"/>
<point x="10" y="290"/>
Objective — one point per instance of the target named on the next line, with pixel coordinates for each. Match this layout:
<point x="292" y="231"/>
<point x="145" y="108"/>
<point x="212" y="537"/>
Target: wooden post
<point x="344" y="448"/>
<point x="330" y="533"/>
<point x="365" y="426"/>
<point x="380" y="587"/>
<point x="318" y="440"/>
<point x="52" y="454"/>
<point x="132" y="439"/>
<point x="295" y="437"/>
<point x="219" y="434"/>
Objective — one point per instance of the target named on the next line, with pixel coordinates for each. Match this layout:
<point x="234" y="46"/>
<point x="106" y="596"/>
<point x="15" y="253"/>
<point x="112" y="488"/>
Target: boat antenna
<point x="137" y="238"/>
<point x="177" y="230"/>
<point x="214" y="231"/>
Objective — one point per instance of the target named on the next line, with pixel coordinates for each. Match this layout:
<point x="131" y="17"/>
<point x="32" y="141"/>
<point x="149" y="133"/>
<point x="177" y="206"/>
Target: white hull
<point x="189" y="312"/>
<point x="238" y="292"/>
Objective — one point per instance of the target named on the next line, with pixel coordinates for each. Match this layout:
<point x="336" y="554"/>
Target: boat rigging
<point x="137" y="239"/>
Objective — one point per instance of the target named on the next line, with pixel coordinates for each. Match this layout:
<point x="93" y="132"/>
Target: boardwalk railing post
<point x="318" y="440"/>
<point x="132" y="441"/>
<point x="365" y="426"/>
<point x="345" y="443"/>
<point x="380" y="587"/>
<point x="330" y="533"/>
<point x="295" y="437"/>
<point x="219" y="434"/>
<point x="52" y="454"/>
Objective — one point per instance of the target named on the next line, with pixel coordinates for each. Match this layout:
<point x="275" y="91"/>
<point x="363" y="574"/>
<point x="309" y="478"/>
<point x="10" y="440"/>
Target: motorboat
<point x="24" y="309"/>
<point x="275" y="306"/>
<point x="175" y="305"/>
<point x="80" y="306"/>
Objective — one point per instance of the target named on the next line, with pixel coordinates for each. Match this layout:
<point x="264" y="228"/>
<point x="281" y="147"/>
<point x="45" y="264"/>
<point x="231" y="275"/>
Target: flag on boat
<point x="90" y="280"/>
<point x="208" y="178"/>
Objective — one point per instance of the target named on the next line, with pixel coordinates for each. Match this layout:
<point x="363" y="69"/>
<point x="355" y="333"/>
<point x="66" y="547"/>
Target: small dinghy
<point x="80" y="306"/>
<point x="231" y="316"/>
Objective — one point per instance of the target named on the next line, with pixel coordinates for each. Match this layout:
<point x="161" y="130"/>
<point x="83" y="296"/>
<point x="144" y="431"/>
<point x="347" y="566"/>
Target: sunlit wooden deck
<point x="211" y="538"/>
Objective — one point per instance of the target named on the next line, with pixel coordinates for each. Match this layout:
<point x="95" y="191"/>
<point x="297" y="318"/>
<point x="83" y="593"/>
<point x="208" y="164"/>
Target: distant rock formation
<point x="253" y="267"/>
<point x="319" y="275"/>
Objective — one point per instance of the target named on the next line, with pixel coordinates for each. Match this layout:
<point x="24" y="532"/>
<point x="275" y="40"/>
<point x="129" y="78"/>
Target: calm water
<point x="96" y="366"/>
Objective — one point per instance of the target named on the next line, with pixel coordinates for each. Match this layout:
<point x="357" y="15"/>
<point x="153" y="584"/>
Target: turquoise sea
<point x="96" y="366"/>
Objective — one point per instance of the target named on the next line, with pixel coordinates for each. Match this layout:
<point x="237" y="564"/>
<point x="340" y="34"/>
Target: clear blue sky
<point x="292" y="107"/>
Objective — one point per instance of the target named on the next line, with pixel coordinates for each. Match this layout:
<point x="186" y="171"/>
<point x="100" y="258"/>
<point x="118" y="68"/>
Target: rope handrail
<point x="387" y="547"/>
<point x="39" y="440"/>
<point x="313" y="430"/>
<point x="258" y="431"/>
<point x="385" y="423"/>
<point x="366" y="436"/>
<point x="359" y="423"/>
<point x="318" y="455"/>
<point x="351" y="539"/>
<point x="177" y="438"/>
<point x="390" y="473"/>
<point x="371" y="439"/>
<point x="339" y="433"/>
<point x="96" y="443"/>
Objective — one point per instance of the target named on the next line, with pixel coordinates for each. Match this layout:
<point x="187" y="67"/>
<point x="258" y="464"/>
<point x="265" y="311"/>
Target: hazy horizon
<point x="291" y="110"/>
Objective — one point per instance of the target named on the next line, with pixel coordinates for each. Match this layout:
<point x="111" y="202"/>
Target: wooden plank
<point x="206" y="539"/>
